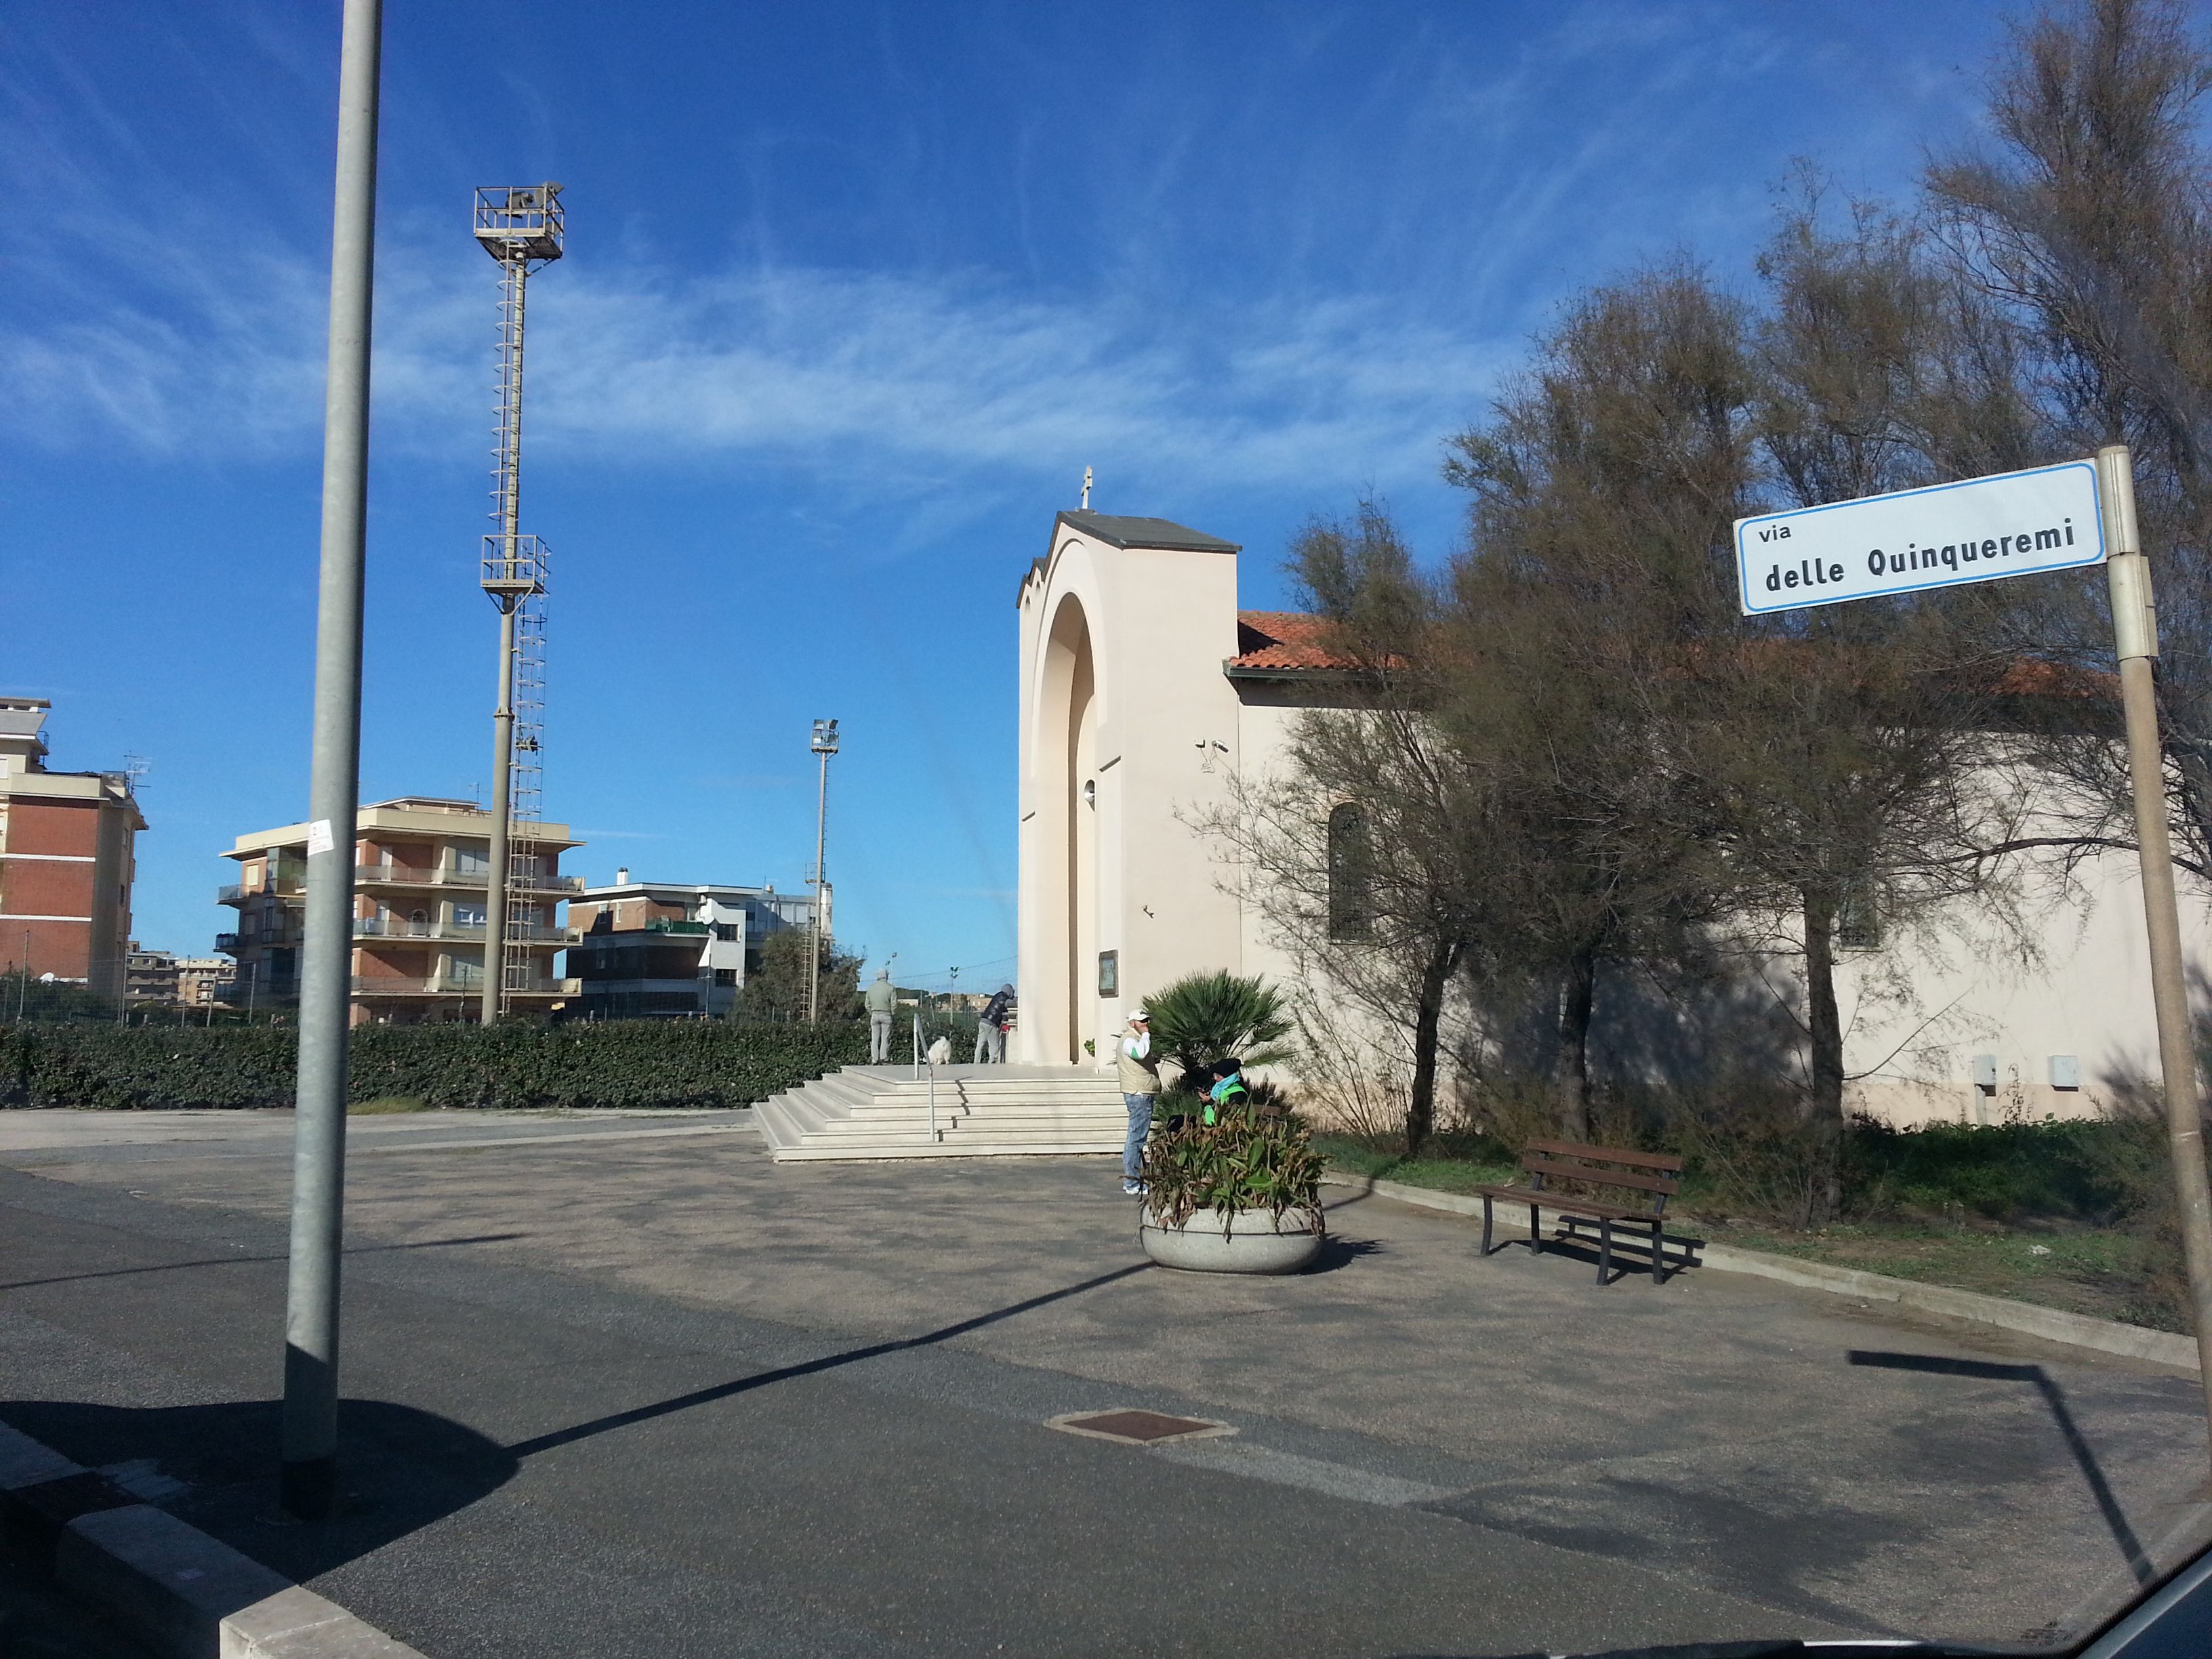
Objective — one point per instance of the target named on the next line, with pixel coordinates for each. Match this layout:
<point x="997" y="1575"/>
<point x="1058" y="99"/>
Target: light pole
<point x="308" y="1487"/>
<point x="824" y="744"/>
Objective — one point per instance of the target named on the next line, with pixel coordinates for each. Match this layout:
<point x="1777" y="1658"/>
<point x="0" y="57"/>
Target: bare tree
<point x="1362" y="855"/>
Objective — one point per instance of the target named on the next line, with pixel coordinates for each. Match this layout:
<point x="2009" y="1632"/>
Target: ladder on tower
<point x="526" y="792"/>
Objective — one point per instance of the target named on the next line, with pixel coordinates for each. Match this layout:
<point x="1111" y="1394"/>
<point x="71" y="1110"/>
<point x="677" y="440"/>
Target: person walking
<point x="991" y="1029"/>
<point x="1139" y="1073"/>
<point x="882" y="1000"/>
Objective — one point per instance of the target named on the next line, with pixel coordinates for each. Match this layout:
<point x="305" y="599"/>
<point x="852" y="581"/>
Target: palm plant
<point x="1203" y="1017"/>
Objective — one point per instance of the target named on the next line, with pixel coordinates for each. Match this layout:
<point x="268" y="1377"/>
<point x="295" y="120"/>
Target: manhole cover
<point x="1137" y="1427"/>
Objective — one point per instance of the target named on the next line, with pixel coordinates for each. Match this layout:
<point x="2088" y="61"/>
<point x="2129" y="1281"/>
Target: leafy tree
<point x="2084" y="228"/>
<point x="776" y="990"/>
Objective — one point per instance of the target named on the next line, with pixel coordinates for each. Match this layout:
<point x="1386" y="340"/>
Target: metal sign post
<point x="2015" y="523"/>
<point x="2135" y="628"/>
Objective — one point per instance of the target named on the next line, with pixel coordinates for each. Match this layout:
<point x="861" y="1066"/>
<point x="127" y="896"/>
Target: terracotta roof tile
<point x="1289" y="640"/>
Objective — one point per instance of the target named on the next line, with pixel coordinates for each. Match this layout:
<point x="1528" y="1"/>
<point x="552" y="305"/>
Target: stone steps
<point x="982" y="1111"/>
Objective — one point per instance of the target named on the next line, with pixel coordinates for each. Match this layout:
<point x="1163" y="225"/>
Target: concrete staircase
<point x="982" y="1111"/>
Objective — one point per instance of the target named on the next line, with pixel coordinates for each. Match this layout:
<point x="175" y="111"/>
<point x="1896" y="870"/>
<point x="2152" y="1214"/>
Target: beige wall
<point x="1145" y="631"/>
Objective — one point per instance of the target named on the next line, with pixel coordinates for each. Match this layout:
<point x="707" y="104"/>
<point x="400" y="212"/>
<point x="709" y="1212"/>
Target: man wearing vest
<point x="1141" y="1080"/>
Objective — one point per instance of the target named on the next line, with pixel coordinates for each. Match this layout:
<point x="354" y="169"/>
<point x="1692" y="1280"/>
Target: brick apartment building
<point x="421" y="880"/>
<point x="68" y="843"/>
<point x="667" y="948"/>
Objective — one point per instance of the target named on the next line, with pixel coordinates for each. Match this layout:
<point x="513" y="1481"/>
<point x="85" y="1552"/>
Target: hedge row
<point x="633" y="1063"/>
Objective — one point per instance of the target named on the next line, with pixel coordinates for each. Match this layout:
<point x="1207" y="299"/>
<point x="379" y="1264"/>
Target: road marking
<point x="1312" y="1473"/>
<point x="397" y="1144"/>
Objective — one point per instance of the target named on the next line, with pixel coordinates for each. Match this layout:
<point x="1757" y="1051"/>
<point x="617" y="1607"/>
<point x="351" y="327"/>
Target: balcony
<point x="467" y="934"/>
<point x="225" y="944"/>
<point x="238" y="892"/>
<point x="398" y="875"/>
<point x="447" y="985"/>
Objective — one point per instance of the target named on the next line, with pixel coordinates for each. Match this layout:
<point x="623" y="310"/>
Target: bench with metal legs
<point x="1658" y="1174"/>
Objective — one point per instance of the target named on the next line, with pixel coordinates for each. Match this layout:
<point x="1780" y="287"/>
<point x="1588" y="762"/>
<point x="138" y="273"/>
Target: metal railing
<point x="448" y="985"/>
<point x="239" y="892"/>
<point x="466" y="933"/>
<point x="398" y="875"/>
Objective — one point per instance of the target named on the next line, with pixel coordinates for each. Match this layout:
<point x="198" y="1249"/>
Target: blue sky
<point x="854" y="295"/>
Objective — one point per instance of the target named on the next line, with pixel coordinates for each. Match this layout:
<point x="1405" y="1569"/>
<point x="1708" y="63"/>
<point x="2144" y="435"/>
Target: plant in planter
<point x="1202" y="1018"/>
<point x="1242" y="1195"/>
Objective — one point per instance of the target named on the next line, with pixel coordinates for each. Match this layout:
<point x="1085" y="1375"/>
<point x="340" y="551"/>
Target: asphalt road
<point x="614" y="1393"/>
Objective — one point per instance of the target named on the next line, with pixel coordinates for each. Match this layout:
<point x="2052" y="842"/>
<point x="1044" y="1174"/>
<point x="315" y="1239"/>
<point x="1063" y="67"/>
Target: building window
<point x="726" y="976"/>
<point x="1350" y="874"/>
<point x="1858" y="916"/>
<point x="472" y="860"/>
<point x="468" y="915"/>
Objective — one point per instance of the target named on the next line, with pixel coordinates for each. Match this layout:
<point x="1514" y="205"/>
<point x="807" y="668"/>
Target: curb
<point x="2051" y="1324"/>
<point x="169" y="1584"/>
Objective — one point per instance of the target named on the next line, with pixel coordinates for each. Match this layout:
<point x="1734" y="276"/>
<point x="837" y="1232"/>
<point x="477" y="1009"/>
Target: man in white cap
<point x="1139" y="1073"/>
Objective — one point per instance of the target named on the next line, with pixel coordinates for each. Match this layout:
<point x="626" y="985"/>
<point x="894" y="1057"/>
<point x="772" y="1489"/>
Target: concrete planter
<point x="1249" y="1242"/>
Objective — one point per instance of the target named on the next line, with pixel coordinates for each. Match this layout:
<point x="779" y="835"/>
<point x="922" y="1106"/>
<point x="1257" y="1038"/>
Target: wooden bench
<point x="1658" y="1174"/>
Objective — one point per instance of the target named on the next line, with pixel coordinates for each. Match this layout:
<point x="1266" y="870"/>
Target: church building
<point x="1147" y="694"/>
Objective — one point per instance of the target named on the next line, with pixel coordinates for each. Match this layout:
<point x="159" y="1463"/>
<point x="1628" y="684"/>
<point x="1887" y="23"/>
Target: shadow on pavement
<point x="233" y="1260"/>
<point x="811" y="1367"/>
<point x="214" y="1466"/>
<point x="1342" y="1252"/>
<point x="2108" y="1506"/>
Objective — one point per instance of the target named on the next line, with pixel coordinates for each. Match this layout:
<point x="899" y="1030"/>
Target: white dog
<point x="940" y="1052"/>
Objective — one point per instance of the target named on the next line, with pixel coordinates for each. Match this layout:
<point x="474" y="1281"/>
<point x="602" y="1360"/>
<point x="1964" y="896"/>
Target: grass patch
<point x="384" y="1105"/>
<point x="1453" y="1163"/>
<point x="2050" y="1214"/>
<point x="2102" y="1272"/>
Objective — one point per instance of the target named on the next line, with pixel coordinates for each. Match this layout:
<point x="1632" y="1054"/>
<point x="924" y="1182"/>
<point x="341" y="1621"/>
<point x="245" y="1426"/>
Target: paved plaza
<point x="623" y="1386"/>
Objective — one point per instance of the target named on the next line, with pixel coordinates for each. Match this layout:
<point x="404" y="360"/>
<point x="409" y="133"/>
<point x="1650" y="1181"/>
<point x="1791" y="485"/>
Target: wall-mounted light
<point x="1091" y="792"/>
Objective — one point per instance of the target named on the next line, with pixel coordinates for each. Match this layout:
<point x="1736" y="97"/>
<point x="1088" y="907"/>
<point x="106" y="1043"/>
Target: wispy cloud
<point x="808" y="366"/>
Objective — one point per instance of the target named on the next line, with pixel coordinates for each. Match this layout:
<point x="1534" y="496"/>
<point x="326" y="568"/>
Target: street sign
<point x="2011" y="524"/>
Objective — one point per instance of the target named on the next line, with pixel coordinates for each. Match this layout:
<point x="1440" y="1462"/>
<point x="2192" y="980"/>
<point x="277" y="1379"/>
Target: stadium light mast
<point x="525" y="229"/>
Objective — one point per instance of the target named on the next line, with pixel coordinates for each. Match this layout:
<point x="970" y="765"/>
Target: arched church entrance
<point x="1068" y="771"/>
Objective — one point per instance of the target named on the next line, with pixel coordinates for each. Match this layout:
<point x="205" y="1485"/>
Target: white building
<point x="646" y="948"/>
<point x="1145" y="691"/>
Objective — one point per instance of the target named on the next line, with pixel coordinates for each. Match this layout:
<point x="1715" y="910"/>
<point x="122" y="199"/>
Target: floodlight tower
<point x="824" y="744"/>
<point x="523" y="227"/>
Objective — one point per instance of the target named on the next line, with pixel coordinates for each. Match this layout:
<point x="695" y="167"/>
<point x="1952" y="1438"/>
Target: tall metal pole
<point x="2135" y="627"/>
<point x="516" y="275"/>
<point x="821" y="887"/>
<point x="309" y="1479"/>
<point x="502" y="768"/>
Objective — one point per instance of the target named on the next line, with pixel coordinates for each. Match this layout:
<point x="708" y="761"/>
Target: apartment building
<point x="421" y="880"/>
<point x="67" y="843"/>
<point x="150" y="975"/>
<point x="668" y="949"/>
<point x="203" y="980"/>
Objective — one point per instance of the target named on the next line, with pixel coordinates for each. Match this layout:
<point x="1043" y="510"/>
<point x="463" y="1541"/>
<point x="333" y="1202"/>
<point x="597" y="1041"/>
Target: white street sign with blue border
<point x="2011" y="524"/>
